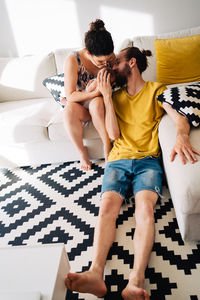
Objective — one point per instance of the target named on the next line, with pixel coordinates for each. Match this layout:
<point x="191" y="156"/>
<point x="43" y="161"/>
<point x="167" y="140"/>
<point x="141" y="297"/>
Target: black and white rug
<point x="59" y="203"/>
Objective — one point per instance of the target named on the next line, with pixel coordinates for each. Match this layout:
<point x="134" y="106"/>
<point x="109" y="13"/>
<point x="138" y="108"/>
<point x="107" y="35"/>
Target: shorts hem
<point x="156" y="190"/>
<point x="117" y="192"/>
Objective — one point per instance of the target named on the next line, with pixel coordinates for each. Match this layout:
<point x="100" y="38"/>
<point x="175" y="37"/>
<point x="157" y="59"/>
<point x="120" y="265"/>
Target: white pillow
<point x="21" y="77"/>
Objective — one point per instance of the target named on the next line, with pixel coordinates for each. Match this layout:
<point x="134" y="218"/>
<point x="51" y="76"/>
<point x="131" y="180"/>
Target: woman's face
<point x="103" y="61"/>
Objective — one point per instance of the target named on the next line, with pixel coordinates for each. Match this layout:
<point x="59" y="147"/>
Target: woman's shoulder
<point x="71" y="59"/>
<point x="72" y="56"/>
<point x="77" y="57"/>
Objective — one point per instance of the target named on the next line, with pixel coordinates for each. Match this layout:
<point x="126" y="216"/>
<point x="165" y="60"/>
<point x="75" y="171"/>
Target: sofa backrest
<point x="148" y="43"/>
<point x="21" y="77"/>
<point x="60" y="57"/>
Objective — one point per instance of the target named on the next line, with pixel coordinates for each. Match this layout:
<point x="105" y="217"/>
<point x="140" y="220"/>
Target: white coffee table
<point x="35" y="273"/>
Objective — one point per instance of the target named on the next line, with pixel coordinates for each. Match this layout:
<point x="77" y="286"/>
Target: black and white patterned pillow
<point x="185" y="100"/>
<point x="55" y="85"/>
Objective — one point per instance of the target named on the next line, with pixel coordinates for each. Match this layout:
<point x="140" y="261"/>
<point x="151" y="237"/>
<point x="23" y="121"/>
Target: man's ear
<point x="132" y="62"/>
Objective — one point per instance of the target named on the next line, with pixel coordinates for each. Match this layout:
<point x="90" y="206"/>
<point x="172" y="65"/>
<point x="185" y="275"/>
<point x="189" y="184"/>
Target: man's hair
<point x="140" y="56"/>
<point x="98" y="41"/>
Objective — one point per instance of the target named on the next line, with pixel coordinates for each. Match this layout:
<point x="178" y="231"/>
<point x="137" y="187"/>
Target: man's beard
<point x="122" y="76"/>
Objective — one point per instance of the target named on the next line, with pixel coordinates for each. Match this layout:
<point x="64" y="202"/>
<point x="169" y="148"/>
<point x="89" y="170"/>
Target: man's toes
<point x="68" y="283"/>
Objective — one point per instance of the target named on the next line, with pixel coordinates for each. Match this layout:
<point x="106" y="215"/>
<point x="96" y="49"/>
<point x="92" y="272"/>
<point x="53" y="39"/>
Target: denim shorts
<point x="129" y="176"/>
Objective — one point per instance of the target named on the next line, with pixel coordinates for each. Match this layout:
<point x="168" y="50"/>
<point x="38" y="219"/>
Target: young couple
<point x="131" y="118"/>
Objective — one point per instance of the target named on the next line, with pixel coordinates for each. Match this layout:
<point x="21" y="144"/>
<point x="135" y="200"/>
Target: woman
<point x="85" y="104"/>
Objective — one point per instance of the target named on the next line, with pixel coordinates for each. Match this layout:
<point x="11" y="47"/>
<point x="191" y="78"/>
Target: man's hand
<point x="184" y="149"/>
<point x="103" y="84"/>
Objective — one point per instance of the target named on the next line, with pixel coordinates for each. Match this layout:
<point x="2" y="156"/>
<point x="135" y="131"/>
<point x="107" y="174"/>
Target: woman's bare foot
<point x="86" y="282"/>
<point x="135" y="291"/>
<point x="84" y="161"/>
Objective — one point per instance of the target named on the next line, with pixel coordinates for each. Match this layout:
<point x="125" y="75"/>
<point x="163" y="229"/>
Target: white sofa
<point x="32" y="130"/>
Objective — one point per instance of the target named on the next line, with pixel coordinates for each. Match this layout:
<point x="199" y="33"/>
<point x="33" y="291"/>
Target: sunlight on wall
<point x="43" y="25"/>
<point x="123" y="23"/>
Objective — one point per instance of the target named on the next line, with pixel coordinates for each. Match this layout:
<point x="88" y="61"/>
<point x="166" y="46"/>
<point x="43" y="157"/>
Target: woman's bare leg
<point x="74" y="115"/>
<point x="92" y="281"/>
<point x="97" y="112"/>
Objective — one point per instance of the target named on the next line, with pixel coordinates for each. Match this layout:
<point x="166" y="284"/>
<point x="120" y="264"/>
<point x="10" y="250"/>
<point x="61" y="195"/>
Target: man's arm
<point x="182" y="147"/>
<point x="104" y="86"/>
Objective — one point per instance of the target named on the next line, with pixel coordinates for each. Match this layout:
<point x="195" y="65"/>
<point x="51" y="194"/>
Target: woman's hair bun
<point x="147" y="52"/>
<point x="97" y="25"/>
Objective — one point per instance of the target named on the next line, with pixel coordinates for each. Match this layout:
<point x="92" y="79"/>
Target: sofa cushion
<point x="185" y="100"/>
<point x="148" y="43"/>
<point x="57" y="131"/>
<point x="178" y="60"/>
<point x="26" y="121"/>
<point x="55" y="85"/>
<point x="21" y="77"/>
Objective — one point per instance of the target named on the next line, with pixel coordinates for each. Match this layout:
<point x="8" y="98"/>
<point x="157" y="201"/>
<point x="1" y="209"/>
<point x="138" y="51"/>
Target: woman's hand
<point x="63" y="100"/>
<point x="91" y="85"/>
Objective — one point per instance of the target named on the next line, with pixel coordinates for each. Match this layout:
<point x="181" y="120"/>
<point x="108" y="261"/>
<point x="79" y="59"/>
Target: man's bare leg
<point x="143" y="242"/>
<point x="92" y="281"/>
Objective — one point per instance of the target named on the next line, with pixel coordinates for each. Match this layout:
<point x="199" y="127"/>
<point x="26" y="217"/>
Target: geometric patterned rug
<point x="58" y="203"/>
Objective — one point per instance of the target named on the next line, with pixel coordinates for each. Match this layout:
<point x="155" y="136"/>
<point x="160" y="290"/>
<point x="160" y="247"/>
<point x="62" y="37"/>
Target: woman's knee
<point x="96" y="106"/>
<point x="73" y="111"/>
<point x="69" y="109"/>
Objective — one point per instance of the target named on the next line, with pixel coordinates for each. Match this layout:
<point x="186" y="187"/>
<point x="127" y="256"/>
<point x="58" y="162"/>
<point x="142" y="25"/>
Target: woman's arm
<point x="70" y="82"/>
<point x="182" y="147"/>
<point x="104" y="86"/>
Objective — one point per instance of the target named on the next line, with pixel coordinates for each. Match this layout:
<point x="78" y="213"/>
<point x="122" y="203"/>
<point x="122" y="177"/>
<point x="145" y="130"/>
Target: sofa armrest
<point x="21" y="77"/>
<point x="183" y="180"/>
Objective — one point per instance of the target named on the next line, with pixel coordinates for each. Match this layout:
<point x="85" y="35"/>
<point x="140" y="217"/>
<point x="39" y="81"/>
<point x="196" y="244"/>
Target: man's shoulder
<point x="155" y="85"/>
<point x="156" y="88"/>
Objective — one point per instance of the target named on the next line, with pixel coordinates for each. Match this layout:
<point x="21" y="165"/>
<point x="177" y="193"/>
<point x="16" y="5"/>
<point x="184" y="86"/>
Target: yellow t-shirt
<point x="138" y="119"/>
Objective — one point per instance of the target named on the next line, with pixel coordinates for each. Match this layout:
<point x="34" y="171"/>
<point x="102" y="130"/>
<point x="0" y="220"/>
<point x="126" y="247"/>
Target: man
<point x="132" y="118"/>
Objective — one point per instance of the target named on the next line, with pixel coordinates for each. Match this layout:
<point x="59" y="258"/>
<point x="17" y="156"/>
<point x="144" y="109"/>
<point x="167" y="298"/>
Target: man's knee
<point x="145" y="203"/>
<point x="110" y="204"/>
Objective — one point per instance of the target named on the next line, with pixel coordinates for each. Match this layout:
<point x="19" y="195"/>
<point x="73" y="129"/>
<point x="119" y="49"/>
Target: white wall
<point x="32" y="26"/>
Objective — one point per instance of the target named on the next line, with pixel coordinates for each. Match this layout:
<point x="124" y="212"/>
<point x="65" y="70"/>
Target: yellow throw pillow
<point x="178" y="60"/>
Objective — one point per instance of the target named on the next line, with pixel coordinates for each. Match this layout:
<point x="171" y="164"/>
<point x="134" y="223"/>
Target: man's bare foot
<point x="86" y="282"/>
<point x="84" y="161"/>
<point x="134" y="291"/>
